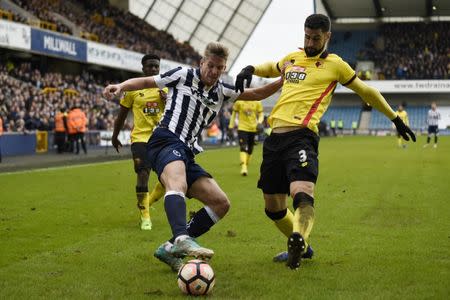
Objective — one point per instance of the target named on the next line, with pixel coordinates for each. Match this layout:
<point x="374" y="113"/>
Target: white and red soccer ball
<point x="196" y="277"/>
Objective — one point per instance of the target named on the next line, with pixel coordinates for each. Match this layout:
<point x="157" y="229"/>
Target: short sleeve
<point x="345" y="73"/>
<point x="229" y="92"/>
<point x="282" y="61"/>
<point x="236" y="106"/>
<point x="127" y="100"/>
<point x="170" y="78"/>
<point x="259" y="107"/>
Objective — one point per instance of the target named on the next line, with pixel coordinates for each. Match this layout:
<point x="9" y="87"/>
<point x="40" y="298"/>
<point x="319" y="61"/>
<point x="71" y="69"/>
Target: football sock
<point x="435" y="139"/>
<point x="283" y="220"/>
<point x="243" y="157"/>
<point x="304" y="214"/>
<point x="428" y="139"/>
<point x="304" y="220"/>
<point x="143" y="201"/>
<point x="156" y="194"/>
<point x="202" y="221"/>
<point x="248" y="158"/>
<point x="175" y="207"/>
<point x="399" y="141"/>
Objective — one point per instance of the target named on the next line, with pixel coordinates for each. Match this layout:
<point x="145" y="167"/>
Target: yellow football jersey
<point x="404" y="116"/>
<point x="248" y="114"/>
<point x="147" y="107"/>
<point x="308" y="87"/>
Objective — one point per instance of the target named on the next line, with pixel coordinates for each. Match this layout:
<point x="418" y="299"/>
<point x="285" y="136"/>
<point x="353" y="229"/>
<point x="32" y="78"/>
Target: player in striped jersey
<point x="433" y="118"/>
<point x="194" y="98"/>
<point x="290" y="153"/>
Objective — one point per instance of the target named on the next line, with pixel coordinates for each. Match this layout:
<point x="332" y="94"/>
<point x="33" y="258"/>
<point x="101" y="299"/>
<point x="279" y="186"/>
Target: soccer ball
<point x="196" y="277"/>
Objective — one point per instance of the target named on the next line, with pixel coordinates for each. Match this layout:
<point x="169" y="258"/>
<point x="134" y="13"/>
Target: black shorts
<point x="433" y="129"/>
<point x="288" y="157"/>
<point x="246" y="141"/>
<point x="139" y="151"/>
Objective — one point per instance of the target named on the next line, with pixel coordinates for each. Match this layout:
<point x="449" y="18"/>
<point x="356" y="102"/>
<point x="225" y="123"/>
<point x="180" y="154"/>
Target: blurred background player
<point x="60" y="129"/>
<point x="401" y="112"/>
<point x="433" y="118"/>
<point x="290" y="154"/>
<point x="76" y="124"/>
<point x="249" y="115"/>
<point x="147" y="107"/>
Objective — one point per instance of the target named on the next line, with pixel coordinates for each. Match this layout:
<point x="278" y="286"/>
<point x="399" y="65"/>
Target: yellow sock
<point x="285" y="224"/>
<point x="400" y="142"/>
<point x="248" y="158"/>
<point x="304" y="220"/>
<point x="156" y="194"/>
<point x="243" y="157"/>
<point x="143" y="204"/>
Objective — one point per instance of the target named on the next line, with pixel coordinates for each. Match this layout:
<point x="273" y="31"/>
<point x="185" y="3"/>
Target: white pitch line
<point x="61" y="167"/>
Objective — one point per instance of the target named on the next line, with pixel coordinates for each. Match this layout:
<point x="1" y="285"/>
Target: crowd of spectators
<point x="29" y="99"/>
<point x="43" y="10"/>
<point x="411" y="51"/>
<point x="112" y="26"/>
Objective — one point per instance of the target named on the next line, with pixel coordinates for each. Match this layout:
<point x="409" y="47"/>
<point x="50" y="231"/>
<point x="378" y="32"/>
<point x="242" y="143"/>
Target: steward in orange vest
<point x="60" y="129"/>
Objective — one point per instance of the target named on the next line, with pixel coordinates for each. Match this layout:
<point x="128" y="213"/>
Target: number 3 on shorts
<point x="302" y="156"/>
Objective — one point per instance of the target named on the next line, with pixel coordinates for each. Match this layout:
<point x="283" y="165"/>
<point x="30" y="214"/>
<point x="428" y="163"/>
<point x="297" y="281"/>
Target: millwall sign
<point x="46" y="42"/>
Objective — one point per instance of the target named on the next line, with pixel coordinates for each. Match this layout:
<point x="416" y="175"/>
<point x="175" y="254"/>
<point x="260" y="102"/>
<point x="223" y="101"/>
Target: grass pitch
<point x="381" y="231"/>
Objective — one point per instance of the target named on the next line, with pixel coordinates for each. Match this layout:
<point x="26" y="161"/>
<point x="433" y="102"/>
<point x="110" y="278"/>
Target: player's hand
<point x="116" y="143"/>
<point x="163" y="95"/>
<point x="403" y="130"/>
<point x="284" y="67"/>
<point x="245" y="74"/>
<point x="112" y="91"/>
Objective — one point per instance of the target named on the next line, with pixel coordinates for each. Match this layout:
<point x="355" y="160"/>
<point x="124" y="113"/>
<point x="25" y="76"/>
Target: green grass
<point x="382" y="230"/>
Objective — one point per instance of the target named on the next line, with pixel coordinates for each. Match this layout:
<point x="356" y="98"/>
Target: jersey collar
<point x="323" y="54"/>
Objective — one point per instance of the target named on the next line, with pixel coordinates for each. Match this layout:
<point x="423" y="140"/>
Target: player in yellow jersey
<point x="147" y="106"/>
<point x="290" y="163"/>
<point x="401" y="112"/>
<point x="250" y="114"/>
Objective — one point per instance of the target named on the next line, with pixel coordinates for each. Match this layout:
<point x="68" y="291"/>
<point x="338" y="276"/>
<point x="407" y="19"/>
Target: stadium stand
<point x="29" y="98"/>
<point x="344" y="113"/>
<point x="417" y="118"/>
<point x="99" y="21"/>
<point x="399" y="50"/>
<point x="412" y="50"/>
<point x="348" y="44"/>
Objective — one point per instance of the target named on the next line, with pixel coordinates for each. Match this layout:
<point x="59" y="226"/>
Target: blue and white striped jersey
<point x="190" y="107"/>
<point x="433" y="118"/>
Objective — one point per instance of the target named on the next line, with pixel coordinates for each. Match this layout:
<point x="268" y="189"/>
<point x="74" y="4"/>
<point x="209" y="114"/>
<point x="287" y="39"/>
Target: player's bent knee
<point x="223" y="206"/>
<point x="302" y="198"/>
<point x="277" y="215"/>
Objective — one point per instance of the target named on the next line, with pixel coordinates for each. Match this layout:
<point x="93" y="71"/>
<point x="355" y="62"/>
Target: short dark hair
<point x="318" y="21"/>
<point x="148" y="57"/>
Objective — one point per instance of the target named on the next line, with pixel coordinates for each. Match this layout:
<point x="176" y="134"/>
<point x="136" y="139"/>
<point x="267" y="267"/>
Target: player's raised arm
<point x="268" y="69"/>
<point x="376" y="100"/>
<point x="263" y="92"/>
<point x="132" y="84"/>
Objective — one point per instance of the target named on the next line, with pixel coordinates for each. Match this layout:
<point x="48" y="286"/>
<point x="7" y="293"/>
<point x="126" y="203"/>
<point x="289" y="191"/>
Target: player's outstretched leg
<point x="163" y="254"/>
<point x="296" y="246"/>
<point x="187" y="246"/>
